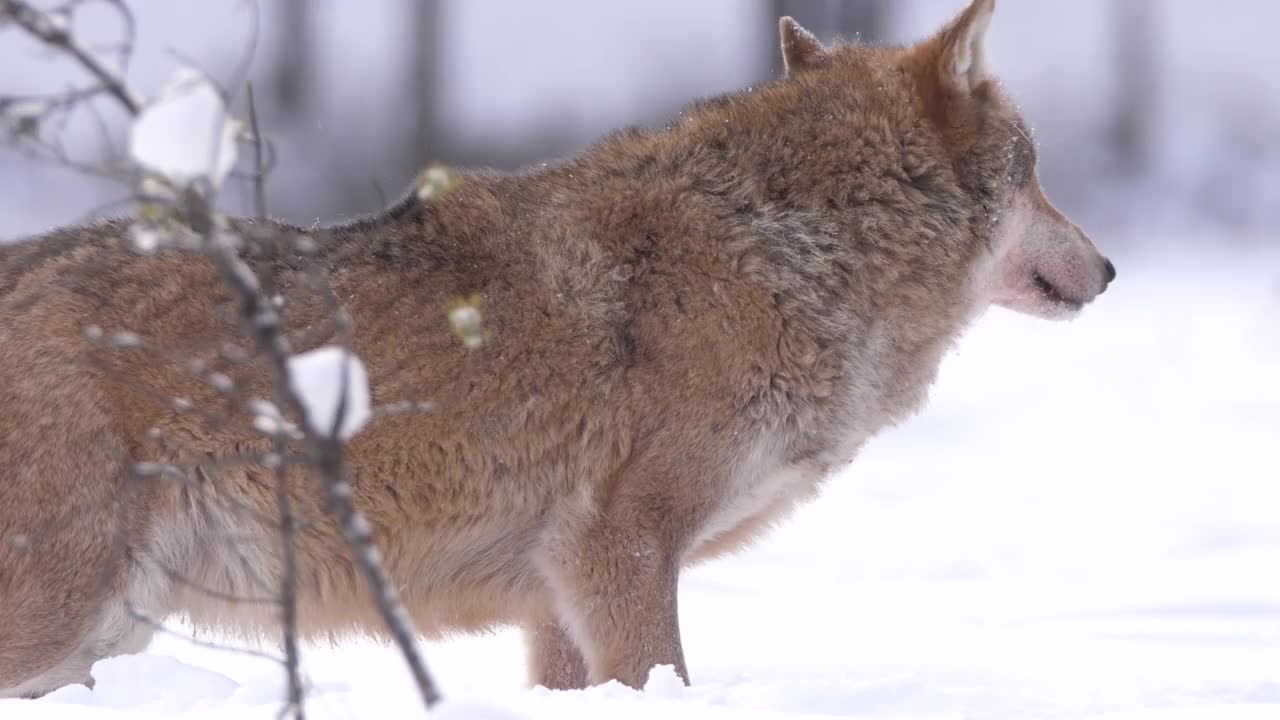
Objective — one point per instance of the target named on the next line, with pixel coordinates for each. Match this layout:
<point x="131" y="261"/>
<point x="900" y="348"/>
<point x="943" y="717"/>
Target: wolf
<point x="687" y="329"/>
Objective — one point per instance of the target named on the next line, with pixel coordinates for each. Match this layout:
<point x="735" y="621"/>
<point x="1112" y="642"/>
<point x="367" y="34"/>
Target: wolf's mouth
<point x="1052" y="294"/>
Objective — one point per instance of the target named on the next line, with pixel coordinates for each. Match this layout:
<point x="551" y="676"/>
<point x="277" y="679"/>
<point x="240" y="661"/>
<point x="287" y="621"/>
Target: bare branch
<point x="140" y="616"/>
<point x="54" y="154"/>
<point x="125" y="48"/>
<point x="289" y="600"/>
<point x="190" y="207"/>
<point x="42" y="27"/>
<point x="289" y="573"/>
<point x="209" y="592"/>
<point x="326" y="453"/>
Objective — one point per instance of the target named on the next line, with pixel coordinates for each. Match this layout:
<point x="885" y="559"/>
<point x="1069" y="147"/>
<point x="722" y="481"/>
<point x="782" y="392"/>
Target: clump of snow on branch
<point x="186" y="132"/>
<point x="466" y="317"/>
<point x="268" y="419"/>
<point x="318" y="379"/>
<point x="434" y="181"/>
<point x="146" y="239"/>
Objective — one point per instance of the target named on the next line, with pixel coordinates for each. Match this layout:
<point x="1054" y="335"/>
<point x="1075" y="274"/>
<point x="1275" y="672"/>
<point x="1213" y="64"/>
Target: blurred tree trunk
<point x="412" y="137"/>
<point x="291" y="77"/>
<point x="849" y="20"/>
<point x="424" y="57"/>
<point x="1134" y="38"/>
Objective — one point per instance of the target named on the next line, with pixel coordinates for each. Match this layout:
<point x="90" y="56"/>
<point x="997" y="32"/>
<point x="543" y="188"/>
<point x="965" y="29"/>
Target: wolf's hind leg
<point x="66" y="501"/>
<point x="124" y="626"/>
<point x="73" y="590"/>
<point x="67" y="591"/>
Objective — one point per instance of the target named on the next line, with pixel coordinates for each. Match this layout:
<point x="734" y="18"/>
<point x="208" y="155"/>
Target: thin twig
<point x="137" y="615"/>
<point x="259" y="171"/>
<point x="44" y="151"/>
<point x="326" y="456"/>
<point x="240" y="75"/>
<point x="130" y="33"/>
<point x="289" y="574"/>
<point x="40" y="26"/>
<point x="208" y="592"/>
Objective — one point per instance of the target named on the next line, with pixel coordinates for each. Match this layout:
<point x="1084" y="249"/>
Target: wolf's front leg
<point x="615" y="587"/>
<point x="554" y="660"/>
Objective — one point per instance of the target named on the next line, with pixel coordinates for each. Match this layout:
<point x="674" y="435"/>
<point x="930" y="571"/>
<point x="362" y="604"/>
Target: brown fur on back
<point x="686" y="329"/>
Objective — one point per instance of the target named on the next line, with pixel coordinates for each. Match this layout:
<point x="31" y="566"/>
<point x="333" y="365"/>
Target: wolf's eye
<point x="1022" y="155"/>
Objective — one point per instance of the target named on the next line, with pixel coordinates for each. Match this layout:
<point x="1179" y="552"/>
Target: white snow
<point x="184" y="685"/>
<point x="146" y="239"/>
<point x="268" y="419"/>
<point x="1081" y="526"/>
<point x="186" y="132"/>
<point x="317" y="377"/>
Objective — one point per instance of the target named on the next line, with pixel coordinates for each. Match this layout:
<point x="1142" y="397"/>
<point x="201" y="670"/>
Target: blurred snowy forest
<point x="1150" y="114"/>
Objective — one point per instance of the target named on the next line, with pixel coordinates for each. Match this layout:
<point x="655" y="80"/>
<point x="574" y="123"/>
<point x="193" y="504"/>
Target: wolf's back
<point x="56" y="251"/>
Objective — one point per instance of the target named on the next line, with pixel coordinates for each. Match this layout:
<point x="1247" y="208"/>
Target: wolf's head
<point x="1039" y="262"/>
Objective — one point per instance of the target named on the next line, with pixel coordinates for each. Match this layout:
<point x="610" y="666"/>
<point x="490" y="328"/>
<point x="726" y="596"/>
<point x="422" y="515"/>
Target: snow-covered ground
<point x="1084" y="524"/>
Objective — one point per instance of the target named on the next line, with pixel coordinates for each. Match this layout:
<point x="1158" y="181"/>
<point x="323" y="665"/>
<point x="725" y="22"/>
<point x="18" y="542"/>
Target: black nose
<point x="1110" y="270"/>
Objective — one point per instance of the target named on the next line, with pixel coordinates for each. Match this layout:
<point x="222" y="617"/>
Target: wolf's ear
<point x="964" y="49"/>
<point x="800" y="49"/>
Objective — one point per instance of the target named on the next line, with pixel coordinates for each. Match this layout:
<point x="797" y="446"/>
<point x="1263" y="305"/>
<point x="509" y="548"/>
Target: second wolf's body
<point x="685" y="332"/>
